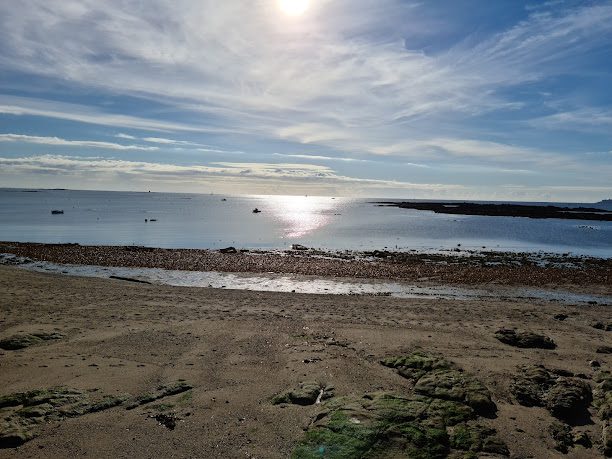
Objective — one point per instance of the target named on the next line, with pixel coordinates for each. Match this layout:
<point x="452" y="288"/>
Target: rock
<point x="606" y="439"/>
<point x="602" y="326"/>
<point x="298" y="247"/>
<point x="383" y="425"/>
<point x="162" y="391"/>
<point x="228" y="250"/>
<point x="562" y="435"/>
<point x="531" y="384"/>
<point x="22" y="412"/>
<point x="14" y="438"/>
<point x="566" y="398"/>
<point x="454" y="385"/>
<point x="474" y="437"/>
<point x="594" y="363"/>
<point x="569" y="399"/>
<point x="307" y="393"/>
<point x="560" y="317"/>
<point x="604" y="350"/>
<point x="22" y="341"/>
<point x="582" y="439"/>
<point x="524" y="339"/>
<point x="414" y="366"/>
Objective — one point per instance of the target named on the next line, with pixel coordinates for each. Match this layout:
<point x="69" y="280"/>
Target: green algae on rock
<point x="382" y="425"/>
<point x="438" y="378"/>
<point x="21" y="412"/>
<point x="437" y="419"/>
<point x="22" y="341"/>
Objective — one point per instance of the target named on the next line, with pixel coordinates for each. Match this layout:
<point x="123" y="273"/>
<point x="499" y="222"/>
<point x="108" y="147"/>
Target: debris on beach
<point x="57" y="212"/>
<point x="524" y="339"/>
<point x="256" y="210"/>
<point x="22" y="341"/>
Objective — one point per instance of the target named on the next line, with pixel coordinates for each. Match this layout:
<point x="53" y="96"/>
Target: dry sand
<point x="238" y="349"/>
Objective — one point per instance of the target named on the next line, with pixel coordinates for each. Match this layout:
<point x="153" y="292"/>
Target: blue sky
<point x="458" y="99"/>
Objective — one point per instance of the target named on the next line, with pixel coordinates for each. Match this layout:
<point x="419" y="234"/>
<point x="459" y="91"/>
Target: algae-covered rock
<point x="427" y="422"/>
<point x="566" y="398"/>
<point x="307" y="393"/>
<point x="524" y="339"/>
<point x="448" y="384"/>
<point x="562" y="435"/>
<point x="569" y="399"/>
<point x="14" y="437"/>
<point x="606" y="439"/>
<point x="415" y="365"/>
<point x="162" y="391"/>
<point x="376" y="426"/>
<point x="531" y="384"/>
<point x="474" y="437"/>
<point x="23" y="411"/>
<point x="22" y="341"/>
<point x="383" y="425"/>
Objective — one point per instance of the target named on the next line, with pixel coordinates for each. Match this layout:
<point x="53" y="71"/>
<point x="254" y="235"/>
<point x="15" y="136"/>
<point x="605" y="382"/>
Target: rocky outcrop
<point x="524" y="339"/>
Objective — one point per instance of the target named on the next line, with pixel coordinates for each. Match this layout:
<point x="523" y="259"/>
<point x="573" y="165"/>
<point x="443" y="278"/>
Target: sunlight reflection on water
<point x="302" y="215"/>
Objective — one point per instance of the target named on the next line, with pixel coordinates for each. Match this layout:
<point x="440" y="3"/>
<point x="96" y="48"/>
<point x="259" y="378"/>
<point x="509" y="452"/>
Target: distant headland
<point x="509" y="210"/>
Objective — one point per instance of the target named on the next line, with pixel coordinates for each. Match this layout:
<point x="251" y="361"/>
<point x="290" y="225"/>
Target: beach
<point x="231" y="352"/>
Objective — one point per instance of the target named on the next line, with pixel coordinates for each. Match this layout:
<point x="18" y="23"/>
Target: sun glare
<point x="293" y="7"/>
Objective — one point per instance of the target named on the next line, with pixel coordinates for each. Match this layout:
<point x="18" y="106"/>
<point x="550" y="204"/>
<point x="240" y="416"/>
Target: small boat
<point x="256" y="210"/>
<point x="57" y="212"/>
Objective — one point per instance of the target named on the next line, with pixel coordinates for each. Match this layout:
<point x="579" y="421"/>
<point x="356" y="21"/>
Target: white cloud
<point x="317" y="80"/>
<point x="227" y="175"/>
<point x="56" y="141"/>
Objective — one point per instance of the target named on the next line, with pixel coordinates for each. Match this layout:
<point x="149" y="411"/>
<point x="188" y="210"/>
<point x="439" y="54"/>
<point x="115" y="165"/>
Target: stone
<point x="449" y="384"/>
<point x="307" y="393"/>
<point x="524" y="339"/>
<point x="161" y="392"/>
<point x="562" y="435"/>
<point x="604" y="350"/>
<point x="413" y="366"/>
<point x="602" y="326"/>
<point x="22" y="341"/>
<point x="569" y="399"/>
<point x="560" y="317"/>
<point x="582" y="439"/>
<point x="531" y="384"/>
<point x="228" y="250"/>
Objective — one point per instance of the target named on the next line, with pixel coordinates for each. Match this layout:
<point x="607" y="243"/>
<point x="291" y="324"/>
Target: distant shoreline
<point x="470" y="268"/>
<point x="506" y="210"/>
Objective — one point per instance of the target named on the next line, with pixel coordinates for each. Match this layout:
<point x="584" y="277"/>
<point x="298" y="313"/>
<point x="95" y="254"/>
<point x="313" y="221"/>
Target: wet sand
<point x="238" y="349"/>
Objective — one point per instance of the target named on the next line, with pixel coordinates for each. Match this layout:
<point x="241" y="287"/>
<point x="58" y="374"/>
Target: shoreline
<point x="454" y="268"/>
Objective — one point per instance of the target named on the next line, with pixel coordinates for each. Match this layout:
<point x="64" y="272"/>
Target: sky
<point x="462" y="99"/>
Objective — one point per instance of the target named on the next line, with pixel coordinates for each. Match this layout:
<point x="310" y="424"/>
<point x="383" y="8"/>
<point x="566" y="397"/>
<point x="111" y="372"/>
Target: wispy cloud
<point x="298" y="176"/>
<point x="56" y="141"/>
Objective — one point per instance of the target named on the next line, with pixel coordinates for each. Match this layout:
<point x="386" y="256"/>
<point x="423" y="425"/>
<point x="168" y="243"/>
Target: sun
<point x="293" y="7"/>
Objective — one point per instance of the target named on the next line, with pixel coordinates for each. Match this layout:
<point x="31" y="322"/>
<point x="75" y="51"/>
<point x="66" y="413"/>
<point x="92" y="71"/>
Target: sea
<point x="213" y="221"/>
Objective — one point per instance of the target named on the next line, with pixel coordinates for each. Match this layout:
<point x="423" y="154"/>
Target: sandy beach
<point x="234" y="351"/>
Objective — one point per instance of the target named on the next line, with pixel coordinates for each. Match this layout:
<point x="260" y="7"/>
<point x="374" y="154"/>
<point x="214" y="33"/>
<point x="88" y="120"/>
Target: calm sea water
<point x="214" y="221"/>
